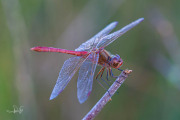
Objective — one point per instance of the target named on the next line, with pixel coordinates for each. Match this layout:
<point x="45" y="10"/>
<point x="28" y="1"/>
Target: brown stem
<point x="106" y="97"/>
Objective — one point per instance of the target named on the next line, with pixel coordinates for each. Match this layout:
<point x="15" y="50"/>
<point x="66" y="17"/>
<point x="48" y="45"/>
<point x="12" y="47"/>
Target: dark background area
<point x="151" y="50"/>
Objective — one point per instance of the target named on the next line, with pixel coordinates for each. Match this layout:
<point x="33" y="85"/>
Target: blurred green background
<point x="151" y="50"/>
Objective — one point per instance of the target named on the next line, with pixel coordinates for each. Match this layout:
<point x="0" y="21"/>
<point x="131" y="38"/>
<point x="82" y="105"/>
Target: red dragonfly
<point x="87" y="56"/>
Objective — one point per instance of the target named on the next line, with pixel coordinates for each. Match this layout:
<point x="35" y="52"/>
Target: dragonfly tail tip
<point x="32" y="49"/>
<point x="35" y="49"/>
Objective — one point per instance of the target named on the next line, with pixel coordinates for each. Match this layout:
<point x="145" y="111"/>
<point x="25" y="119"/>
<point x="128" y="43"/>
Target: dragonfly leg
<point x="103" y="79"/>
<point x="107" y="76"/>
<point x="105" y="82"/>
<point x="103" y="86"/>
<point x="111" y="73"/>
<point x="102" y="70"/>
<point x="120" y="69"/>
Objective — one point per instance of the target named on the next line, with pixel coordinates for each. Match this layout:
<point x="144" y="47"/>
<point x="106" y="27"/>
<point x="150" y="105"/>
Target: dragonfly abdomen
<point x="51" y="49"/>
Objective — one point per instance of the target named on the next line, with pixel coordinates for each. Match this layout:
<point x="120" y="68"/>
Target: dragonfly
<point x="87" y="56"/>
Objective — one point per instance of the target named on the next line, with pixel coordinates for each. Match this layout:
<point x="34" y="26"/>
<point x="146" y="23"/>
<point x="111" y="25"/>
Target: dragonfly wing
<point x="94" y="40"/>
<point x="105" y="41"/>
<point x="85" y="79"/>
<point x="69" y="68"/>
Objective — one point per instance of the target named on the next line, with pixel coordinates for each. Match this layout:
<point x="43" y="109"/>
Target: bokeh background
<point x="151" y="50"/>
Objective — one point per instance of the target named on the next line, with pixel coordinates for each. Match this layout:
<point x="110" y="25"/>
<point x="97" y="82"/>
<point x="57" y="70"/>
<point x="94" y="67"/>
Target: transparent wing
<point x="69" y="68"/>
<point x="85" y="79"/>
<point x="105" y="41"/>
<point x="94" y="40"/>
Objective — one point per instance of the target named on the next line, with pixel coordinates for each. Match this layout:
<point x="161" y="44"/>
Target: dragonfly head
<point x="116" y="61"/>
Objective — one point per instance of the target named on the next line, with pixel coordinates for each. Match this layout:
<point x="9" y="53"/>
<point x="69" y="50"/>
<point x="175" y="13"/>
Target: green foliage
<point x="151" y="50"/>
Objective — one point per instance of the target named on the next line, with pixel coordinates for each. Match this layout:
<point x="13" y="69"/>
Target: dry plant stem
<point x="106" y="97"/>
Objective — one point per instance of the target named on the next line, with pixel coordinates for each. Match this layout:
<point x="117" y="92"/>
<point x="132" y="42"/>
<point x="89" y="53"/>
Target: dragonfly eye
<point x="115" y="64"/>
<point x="118" y="56"/>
